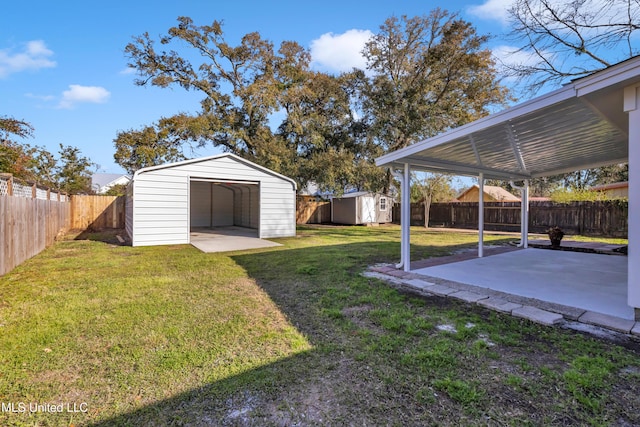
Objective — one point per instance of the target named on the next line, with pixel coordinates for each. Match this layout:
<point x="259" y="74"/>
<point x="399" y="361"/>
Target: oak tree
<point x="428" y="74"/>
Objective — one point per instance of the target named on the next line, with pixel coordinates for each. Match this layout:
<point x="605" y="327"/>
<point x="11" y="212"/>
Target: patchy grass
<point x="608" y="240"/>
<point x="292" y="335"/>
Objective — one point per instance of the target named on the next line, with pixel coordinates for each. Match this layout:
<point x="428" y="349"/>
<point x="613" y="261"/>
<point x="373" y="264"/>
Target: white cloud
<point x="127" y="71"/>
<point x="340" y="52"/>
<point x="34" y="56"/>
<point x="40" y="97"/>
<point x="496" y="10"/>
<point x="78" y="94"/>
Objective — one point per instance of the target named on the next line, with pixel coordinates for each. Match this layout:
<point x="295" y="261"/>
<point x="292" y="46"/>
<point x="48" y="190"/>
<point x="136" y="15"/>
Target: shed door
<point x="368" y="209"/>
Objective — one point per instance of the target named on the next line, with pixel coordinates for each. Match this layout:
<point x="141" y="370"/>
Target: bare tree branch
<point x="567" y="40"/>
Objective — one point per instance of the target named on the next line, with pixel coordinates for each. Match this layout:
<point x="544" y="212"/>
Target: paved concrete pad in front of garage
<point x="226" y="239"/>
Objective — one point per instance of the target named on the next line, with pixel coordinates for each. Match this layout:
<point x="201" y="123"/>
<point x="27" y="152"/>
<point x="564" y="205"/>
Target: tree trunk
<point x="427" y="207"/>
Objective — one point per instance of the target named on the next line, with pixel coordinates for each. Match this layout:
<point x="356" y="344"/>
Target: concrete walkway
<point x="544" y="286"/>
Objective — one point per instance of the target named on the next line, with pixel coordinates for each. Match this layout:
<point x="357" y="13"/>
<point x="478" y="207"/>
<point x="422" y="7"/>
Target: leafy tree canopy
<point x="426" y="74"/>
<point x="70" y="173"/>
<point x="430" y="74"/>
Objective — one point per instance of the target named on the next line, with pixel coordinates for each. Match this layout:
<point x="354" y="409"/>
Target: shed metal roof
<point x="581" y="125"/>
<point x="213" y="157"/>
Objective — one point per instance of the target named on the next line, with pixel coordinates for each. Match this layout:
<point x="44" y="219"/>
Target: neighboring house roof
<point x="101" y="182"/>
<point x="613" y="186"/>
<point x="498" y="193"/>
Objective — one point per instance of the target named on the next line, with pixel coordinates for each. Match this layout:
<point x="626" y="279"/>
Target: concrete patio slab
<point x="589" y="282"/>
<point x="226" y="239"/>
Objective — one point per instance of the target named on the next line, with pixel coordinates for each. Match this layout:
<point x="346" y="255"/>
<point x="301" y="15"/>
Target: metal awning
<point x="581" y="125"/>
<point x="593" y="121"/>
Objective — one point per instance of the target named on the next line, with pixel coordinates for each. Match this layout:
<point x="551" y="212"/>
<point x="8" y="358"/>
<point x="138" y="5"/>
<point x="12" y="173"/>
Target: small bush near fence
<point x="598" y="218"/>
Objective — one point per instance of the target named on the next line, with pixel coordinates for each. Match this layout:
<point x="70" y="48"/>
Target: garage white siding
<point x="169" y="199"/>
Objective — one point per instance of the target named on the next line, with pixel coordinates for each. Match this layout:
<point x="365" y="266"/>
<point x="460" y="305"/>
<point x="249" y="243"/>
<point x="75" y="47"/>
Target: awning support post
<point x="406" y="219"/>
<point x="524" y="213"/>
<point x="525" y="216"/>
<point x="632" y="107"/>
<point x="481" y="215"/>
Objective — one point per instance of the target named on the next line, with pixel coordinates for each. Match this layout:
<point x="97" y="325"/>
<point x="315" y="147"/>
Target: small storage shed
<point x="361" y="207"/>
<point x="166" y="202"/>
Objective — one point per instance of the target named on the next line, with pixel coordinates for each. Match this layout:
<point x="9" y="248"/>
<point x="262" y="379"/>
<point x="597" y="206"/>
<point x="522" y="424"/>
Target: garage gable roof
<point x="214" y="157"/>
<point x="581" y="125"/>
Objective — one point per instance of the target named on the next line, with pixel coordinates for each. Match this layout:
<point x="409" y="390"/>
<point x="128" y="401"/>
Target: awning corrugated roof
<point x="581" y="125"/>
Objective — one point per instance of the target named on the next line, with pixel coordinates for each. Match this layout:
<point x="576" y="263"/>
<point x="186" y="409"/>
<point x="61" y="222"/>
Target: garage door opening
<point x="225" y="207"/>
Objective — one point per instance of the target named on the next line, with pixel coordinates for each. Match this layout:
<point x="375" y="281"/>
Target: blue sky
<point x="63" y="69"/>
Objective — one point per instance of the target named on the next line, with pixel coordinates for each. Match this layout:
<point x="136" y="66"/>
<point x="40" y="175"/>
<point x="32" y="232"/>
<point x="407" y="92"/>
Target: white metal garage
<point x="166" y="202"/>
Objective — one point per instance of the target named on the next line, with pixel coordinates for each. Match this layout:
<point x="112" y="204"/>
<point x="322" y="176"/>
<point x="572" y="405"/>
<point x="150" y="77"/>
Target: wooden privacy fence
<point x="31" y="216"/>
<point x="598" y="218"/>
<point x="27" y="227"/>
<point x="310" y="211"/>
<point x="97" y="212"/>
<point x="30" y="219"/>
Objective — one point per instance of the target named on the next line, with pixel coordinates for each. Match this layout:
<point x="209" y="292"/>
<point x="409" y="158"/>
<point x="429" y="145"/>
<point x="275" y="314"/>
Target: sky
<point x="64" y="71"/>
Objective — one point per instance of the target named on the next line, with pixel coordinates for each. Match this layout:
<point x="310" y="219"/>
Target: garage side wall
<point x="161" y="210"/>
<point x="161" y="195"/>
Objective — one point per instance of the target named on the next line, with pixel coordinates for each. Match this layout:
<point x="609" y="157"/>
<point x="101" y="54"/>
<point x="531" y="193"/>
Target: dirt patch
<point x="359" y="315"/>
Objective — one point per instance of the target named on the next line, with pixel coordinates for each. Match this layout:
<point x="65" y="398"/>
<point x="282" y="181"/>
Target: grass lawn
<point x="292" y="335"/>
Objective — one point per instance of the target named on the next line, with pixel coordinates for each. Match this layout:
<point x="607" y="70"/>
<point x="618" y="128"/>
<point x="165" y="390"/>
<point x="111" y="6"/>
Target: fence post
<point x="581" y="218"/>
<point x="34" y="191"/>
<point x="452" y="215"/>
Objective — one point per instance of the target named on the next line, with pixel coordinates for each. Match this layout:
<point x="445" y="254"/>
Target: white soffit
<point x="578" y="126"/>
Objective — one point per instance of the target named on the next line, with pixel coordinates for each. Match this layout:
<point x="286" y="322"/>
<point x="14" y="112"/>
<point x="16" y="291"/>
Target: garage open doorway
<point x="225" y="215"/>
<point x="216" y="204"/>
